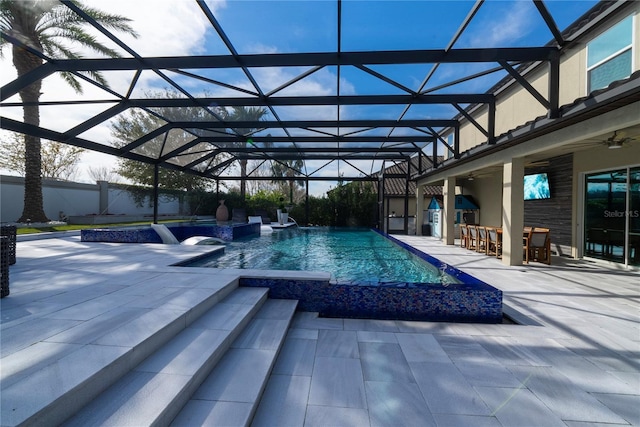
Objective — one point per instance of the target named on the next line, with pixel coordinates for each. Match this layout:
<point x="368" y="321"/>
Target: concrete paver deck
<point x="573" y="362"/>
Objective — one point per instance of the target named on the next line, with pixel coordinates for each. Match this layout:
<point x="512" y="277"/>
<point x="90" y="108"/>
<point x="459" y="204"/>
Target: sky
<point x="179" y="28"/>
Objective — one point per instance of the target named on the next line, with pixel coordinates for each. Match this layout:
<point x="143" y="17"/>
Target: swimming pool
<point x="357" y="256"/>
<point x="413" y="285"/>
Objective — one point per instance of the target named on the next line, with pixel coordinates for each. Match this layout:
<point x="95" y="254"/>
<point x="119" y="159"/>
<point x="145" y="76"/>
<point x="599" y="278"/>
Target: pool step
<point x="232" y="392"/>
<point x="153" y="392"/>
<point x="46" y="382"/>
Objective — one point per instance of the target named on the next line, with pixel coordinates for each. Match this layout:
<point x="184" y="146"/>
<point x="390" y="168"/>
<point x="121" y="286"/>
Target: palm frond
<point x="55" y="28"/>
<point x="62" y="16"/>
<point x="109" y="21"/>
<point x="55" y="49"/>
<point x="6" y="18"/>
<point x="3" y="43"/>
<point x="80" y="36"/>
<point x="97" y="76"/>
<point x="72" y="81"/>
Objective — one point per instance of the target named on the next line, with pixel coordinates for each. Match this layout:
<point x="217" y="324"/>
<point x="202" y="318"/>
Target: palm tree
<point x="47" y="26"/>
<point x="248" y="114"/>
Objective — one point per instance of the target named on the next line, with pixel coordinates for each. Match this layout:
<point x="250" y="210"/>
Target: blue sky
<point x="178" y="27"/>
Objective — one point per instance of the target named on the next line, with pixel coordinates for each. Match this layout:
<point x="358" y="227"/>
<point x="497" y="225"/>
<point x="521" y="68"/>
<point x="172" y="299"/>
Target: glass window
<point x="613" y="40"/>
<point x="448" y="154"/>
<point x="605" y="215"/>
<point x="616" y="68"/>
<point x="609" y="55"/>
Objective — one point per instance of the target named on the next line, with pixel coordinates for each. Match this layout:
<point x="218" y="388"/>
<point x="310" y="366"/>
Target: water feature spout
<point x="294" y="221"/>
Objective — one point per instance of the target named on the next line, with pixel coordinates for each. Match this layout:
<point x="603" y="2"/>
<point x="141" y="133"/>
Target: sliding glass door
<point x="612" y="216"/>
<point x="634" y="217"/>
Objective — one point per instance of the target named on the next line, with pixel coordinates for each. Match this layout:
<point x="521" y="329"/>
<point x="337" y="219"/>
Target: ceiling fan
<point x="617" y="140"/>
<point x="475" y="175"/>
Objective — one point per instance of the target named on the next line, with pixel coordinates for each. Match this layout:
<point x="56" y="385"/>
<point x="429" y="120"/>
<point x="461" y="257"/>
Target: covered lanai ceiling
<point x="381" y="84"/>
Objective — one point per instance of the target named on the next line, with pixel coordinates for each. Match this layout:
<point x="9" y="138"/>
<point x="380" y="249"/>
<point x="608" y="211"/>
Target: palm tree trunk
<point x="33" y="210"/>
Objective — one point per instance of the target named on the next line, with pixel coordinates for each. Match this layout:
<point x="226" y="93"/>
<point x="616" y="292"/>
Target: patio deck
<point x="574" y="361"/>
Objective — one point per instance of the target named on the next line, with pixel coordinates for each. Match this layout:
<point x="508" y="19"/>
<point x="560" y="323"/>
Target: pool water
<point x="350" y="255"/>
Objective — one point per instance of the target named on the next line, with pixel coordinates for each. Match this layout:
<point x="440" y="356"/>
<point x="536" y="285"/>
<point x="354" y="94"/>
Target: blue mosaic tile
<point x="471" y="300"/>
<point x="181" y="231"/>
<point x="124" y="235"/>
<point x="455" y="303"/>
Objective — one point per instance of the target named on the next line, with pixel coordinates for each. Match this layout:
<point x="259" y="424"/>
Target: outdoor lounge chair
<point x="255" y="219"/>
<point x="264" y="228"/>
<point x="265" y="217"/>
<point x="169" y="239"/>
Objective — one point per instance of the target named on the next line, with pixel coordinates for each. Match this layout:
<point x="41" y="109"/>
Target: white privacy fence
<point x="66" y="199"/>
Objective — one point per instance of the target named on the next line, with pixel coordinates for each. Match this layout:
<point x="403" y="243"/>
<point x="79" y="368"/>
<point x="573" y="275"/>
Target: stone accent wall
<point x="554" y="213"/>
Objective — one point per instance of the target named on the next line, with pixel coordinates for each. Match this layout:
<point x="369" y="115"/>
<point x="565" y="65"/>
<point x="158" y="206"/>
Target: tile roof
<point x="396" y="187"/>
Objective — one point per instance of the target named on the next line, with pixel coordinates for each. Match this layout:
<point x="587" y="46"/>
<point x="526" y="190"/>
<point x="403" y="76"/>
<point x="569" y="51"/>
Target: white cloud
<point x="162" y="32"/>
<point x="170" y="28"/>
<point x="161" y="25"/>
<point x="502" y="29"/>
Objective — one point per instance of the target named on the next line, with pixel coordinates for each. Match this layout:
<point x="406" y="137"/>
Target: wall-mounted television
<point x="536" y="186"/>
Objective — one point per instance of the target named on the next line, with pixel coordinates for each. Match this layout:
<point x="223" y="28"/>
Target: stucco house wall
<point x="516" y="106"/>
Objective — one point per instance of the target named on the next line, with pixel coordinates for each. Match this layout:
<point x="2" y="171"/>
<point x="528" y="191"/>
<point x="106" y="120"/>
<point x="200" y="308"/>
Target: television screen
<point x="536" y="186"/>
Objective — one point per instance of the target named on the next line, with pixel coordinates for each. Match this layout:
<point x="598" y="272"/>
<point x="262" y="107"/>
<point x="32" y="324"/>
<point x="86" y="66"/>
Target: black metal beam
<point x="472" y="120"/>
<point x="295" y="80"/>
<point x="525" y="84"/>
<point x="327" y="131"/>
<point x="29" y="129"/>
<point x="425" y="56"/>
<point x="283" y="101"/>
<point x="325" y="139"/>
<point x="212" y="81"/>
<point x="304" y="124"/>
<point x="32" y="76"/>
<point x="148" y="137"/>
<point x="297" y="178"/>
<point x="340" y="150"/>
<point x="156" y="184"/>
<point x="97" y="119"/>
<point x="461" y="80"/>
<point x="491" y="123"/>
<point x="554" y="88"/>
<point x="331" y="156"/>
<point x="385" y="79"/>
<point x="223" y="36"/>
<point x="305" y="100"/>
<point x="551" y="23"/>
